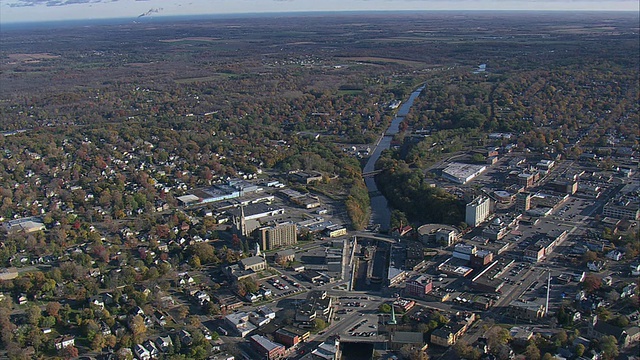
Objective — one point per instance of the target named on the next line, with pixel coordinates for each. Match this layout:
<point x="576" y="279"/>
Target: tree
<point x="33" y="314"/>
<point x="385" y="308"/>
<point x="609" y="347"/>
<point x="591" y="283"/>
<point x="319" y="324"/>
<point x="579" y="350"/>
<point x="69" y="352"/>
<point x="497" y="336"/>
<point x="52" y="308"/>
<point x="532" y="352"/>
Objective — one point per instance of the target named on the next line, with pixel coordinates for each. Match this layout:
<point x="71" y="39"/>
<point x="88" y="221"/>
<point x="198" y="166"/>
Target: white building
<point x="462" y="173"/>
<point x="477" y="211"/>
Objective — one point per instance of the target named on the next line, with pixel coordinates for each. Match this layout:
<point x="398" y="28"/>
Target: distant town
<point x="369" y="208"/>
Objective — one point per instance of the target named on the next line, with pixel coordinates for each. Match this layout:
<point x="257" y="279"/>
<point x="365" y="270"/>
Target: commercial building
<point x="269" y="349"/>
<point x="318" y="305"/>
<point x="477" y="210"/>
<point x="418" y="286"/>
<point x="446" y="237"/>
<point x="524" y="310"/>
<point x="523" y="202"/>
<point x="240" y="323"/>
<point x="625" y="204"/>
<point x="462" y="173"/>
<point x="286" y="337"/>
<point x="464" y="251"/>
<point x="278" y="235"/>
<point x="413" y="339"/>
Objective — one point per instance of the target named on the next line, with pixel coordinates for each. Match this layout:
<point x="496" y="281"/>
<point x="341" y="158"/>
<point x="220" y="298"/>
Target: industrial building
<point x="462" y="173"/>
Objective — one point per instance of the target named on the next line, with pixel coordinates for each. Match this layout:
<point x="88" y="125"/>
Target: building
<point x="523" y="202"/>
<point x="447" y="335"/>
<point x="335" y="231"/>
<point x="28" y="225"/>
<point x="524" y="310"/>
<point x="64" y="341"/>
<point x="278" y="235"/>
<point x="318" y="305"/>
<point x="240" y="323"/>
<point x="446" y="237"/>
<point x="286" y="337"/>
<point x="477" y="210"/>
<point x="255" y="263"/>
<point x="266" y="347"/>
<point x="415" y="340"/>
<point x="462" y="173"/>
<point x="481" y="259"/>
<point x="306" y="178"/>
<point x="285" y="256"/>
<point x="464" y="251"/>
<point x="418" y="286"/>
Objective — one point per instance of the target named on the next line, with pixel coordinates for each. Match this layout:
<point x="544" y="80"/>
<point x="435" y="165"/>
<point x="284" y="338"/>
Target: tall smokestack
<point x="546" y="305"/>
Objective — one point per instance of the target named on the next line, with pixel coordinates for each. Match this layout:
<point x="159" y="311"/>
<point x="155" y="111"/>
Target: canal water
<point x="380" y="213"/>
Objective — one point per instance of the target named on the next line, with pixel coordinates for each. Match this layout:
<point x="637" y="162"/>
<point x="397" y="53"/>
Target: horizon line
<point x="318" y="12"/>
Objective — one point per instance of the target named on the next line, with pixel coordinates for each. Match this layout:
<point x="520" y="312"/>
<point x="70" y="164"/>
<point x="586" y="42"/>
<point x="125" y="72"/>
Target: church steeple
<point x="393" y="316"/>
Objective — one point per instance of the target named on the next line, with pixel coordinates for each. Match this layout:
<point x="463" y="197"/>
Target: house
<point x="595" y="266"/>
<point x="159" y="318"/>
<point x="22" y="299"/>
<point x="185" y="337"/>
<point x="625" y="336"/>
<point x="141" y="352"/>
<point x="629" y="290"/>
<point x="164" y="343"/>
<point x="635" y="269"/>
<point x="64" y="341"/>
<point x="152" y="348"/>
<point x="615" y="255"/>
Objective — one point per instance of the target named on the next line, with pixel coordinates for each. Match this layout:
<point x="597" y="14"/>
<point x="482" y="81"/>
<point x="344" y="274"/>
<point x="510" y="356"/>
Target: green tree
<point x="385" y="308"/>
<point x="319" y="324"/>
<point x="609" y="346"/>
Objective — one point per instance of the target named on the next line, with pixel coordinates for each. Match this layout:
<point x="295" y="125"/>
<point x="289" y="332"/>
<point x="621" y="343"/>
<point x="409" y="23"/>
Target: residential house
<point x="62" y="342"/>
<point x="615" y="255"/>
<point x="141" y="352"/>
<point x="164" y="343"/>
<point x="595" y="266"/>
<point x="185" y="337"/>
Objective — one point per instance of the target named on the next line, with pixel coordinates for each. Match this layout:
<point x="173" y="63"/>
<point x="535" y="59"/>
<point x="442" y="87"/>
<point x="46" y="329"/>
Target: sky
<point x="16" y="11"/>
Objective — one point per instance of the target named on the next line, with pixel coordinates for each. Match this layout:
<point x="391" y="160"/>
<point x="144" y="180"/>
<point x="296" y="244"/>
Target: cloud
<point x="27" y="3"/>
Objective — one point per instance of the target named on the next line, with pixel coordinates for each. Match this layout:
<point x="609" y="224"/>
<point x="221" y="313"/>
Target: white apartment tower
<point x="477" y="211"/>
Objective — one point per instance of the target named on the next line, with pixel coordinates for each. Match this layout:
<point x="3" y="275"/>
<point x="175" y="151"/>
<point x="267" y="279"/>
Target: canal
<point x="380" y="213"/>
